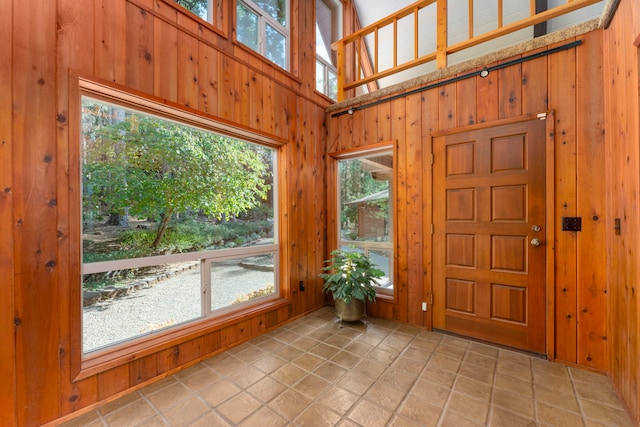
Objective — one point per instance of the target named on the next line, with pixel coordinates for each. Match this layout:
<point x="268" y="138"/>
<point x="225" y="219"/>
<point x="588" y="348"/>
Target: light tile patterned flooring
<point x="312" y="372"/>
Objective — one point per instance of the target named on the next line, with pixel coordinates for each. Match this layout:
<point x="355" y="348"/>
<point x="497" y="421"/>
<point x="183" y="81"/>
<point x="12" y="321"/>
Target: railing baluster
<point x="471" y="19"/>
<point x="340" y="69"/>
<point x="395" y="42"/>
<point x="359" y="57"/>
<point x="415" y="33"/>
<point x="375" y="51"/>
<point x="441" y="34"/>
<point x="500" y="12"/>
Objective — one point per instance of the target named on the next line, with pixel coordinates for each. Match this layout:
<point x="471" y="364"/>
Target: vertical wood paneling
<point x="487" y="97"/>
<point x="399" y="136"/>
<point x="110" y="52"/>
<point x="225" y="96"/>
<point x="208" y="81"/>
<point x="255" y="100"/>
<point x="447" y="114"/>
<point x="298" y="244"/>
<point x="414" y="208"/>
<point x="334" y="137"/>
<point x="467" y="104"/>
<point x="383" y="119"/>
<point x="320" y="206"/>
<point x="168" y="359"/>
<point x="429" y="124"/>
<point x="211" y="343"/>
<point x="75" y="52"/>
<point x="622" y="107"/>
<point x="188" y="80"/>
<point x="189" y="351"/>
<point x="562" y="99"/>
<point x="143" y="45"/>
<point x="534" y="85"/>
<point x="371" y="130"/>
<point x="268" y="121"/>
<point x="35" y="235"/>
<point x="142" y="370"/>
<point x="7" y="337"/>
<point x="165" y="71"/>
<point x="358" y="128"/>
<point x="139" y="62"/>
<point x="510" y="91"/>
<point x="346" y="130"/>
<point x="592" y="333"/>
<point x="113" y="381"/>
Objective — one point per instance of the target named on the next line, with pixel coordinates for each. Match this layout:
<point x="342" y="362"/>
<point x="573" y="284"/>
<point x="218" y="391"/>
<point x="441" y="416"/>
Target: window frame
<point x="83" y="364"/>
<point x="265" y="19"/>
<point x="336" y="25"/>
<point x="326" y="68"/>
<point x="216" y="15"/>
<point x="334" y="200"/>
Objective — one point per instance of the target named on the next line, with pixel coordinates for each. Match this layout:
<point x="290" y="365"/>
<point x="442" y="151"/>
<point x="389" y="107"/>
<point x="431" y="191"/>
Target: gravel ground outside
<point x="167" y="303"/>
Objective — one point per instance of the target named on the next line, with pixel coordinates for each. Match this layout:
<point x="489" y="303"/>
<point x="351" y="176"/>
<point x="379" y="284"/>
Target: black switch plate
<point x="571" y="223"/>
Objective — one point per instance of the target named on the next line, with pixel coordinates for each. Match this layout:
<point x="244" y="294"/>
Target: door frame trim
<point x="550" y="238"/>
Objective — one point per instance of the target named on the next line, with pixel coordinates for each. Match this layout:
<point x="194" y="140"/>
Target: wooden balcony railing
<point x="358" y="54"/>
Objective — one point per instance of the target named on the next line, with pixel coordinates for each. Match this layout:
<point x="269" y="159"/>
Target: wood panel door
<point x="489" y="234"/>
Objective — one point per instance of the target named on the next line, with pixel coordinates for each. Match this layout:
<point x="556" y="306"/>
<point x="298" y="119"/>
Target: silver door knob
<point x="535" y="242"/>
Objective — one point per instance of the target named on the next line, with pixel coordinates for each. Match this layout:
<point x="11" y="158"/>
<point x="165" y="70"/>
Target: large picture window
<point x="178" y="223"/>
<point x="263" y="25"/>
<point x="365" y="204"/>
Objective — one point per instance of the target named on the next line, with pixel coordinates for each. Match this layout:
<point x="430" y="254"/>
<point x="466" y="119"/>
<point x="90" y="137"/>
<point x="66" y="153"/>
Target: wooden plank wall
<point x="622" y="102"/>
<point x="568" y="82"/>
<point x="154" y="48"/>
<point x="7" y="190"/>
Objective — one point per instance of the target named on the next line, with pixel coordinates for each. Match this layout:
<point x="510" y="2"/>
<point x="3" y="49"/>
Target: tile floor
<point x="312" y="372"/>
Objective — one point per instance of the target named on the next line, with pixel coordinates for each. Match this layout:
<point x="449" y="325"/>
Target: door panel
<point x="489" y="191"/>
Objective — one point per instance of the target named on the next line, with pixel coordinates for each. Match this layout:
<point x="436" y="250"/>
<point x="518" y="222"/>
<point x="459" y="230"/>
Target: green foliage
<point x="148" y="167"/>
<point x="356" y="183"/>
<point x="350" y="275"/>
<point x="199" y="7"/>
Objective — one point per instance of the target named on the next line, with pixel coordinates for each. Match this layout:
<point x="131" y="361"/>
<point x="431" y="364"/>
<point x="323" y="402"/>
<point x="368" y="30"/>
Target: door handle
<point x="535" y="242"/>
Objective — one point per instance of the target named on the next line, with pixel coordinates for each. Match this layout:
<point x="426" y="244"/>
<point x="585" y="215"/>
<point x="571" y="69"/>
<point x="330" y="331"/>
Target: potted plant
<point x="350" y="277"/>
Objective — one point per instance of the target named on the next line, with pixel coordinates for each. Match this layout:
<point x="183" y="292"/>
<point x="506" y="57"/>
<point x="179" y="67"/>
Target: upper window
<point x="263" y="25"/>
<point x="202" y="8"/>
<point x="328" y="13"/>
<point x="178" y="223"/>
<point x="365" y="196"/>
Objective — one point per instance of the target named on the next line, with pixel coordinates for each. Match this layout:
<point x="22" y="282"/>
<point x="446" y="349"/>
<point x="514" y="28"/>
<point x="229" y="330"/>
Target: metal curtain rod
<point x="482" y="73"/>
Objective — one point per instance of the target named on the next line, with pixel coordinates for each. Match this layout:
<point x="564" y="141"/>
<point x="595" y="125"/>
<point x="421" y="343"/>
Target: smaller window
<point x="327" y="32"/>
<point x="365" y="210"/>
<point x="202" y="8"/>
<point x="263" y="25"/>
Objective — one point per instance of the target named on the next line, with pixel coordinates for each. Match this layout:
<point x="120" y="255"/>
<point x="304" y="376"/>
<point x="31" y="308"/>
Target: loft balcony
<point x="430" y="35"/>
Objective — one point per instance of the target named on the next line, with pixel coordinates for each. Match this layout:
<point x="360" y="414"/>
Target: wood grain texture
<point x="414" y="209"/>
<point x="562" y="99"/>
<point x="546" y="83"/>
<point x="139" y="42"/>
<point x="35" y="236"/>
<point x="7" y="190"/>
<point x="75" y="52"/>
<point x="622" y="117"/>
<point x="153" y="49"/>
<point x="590" y="128"/>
